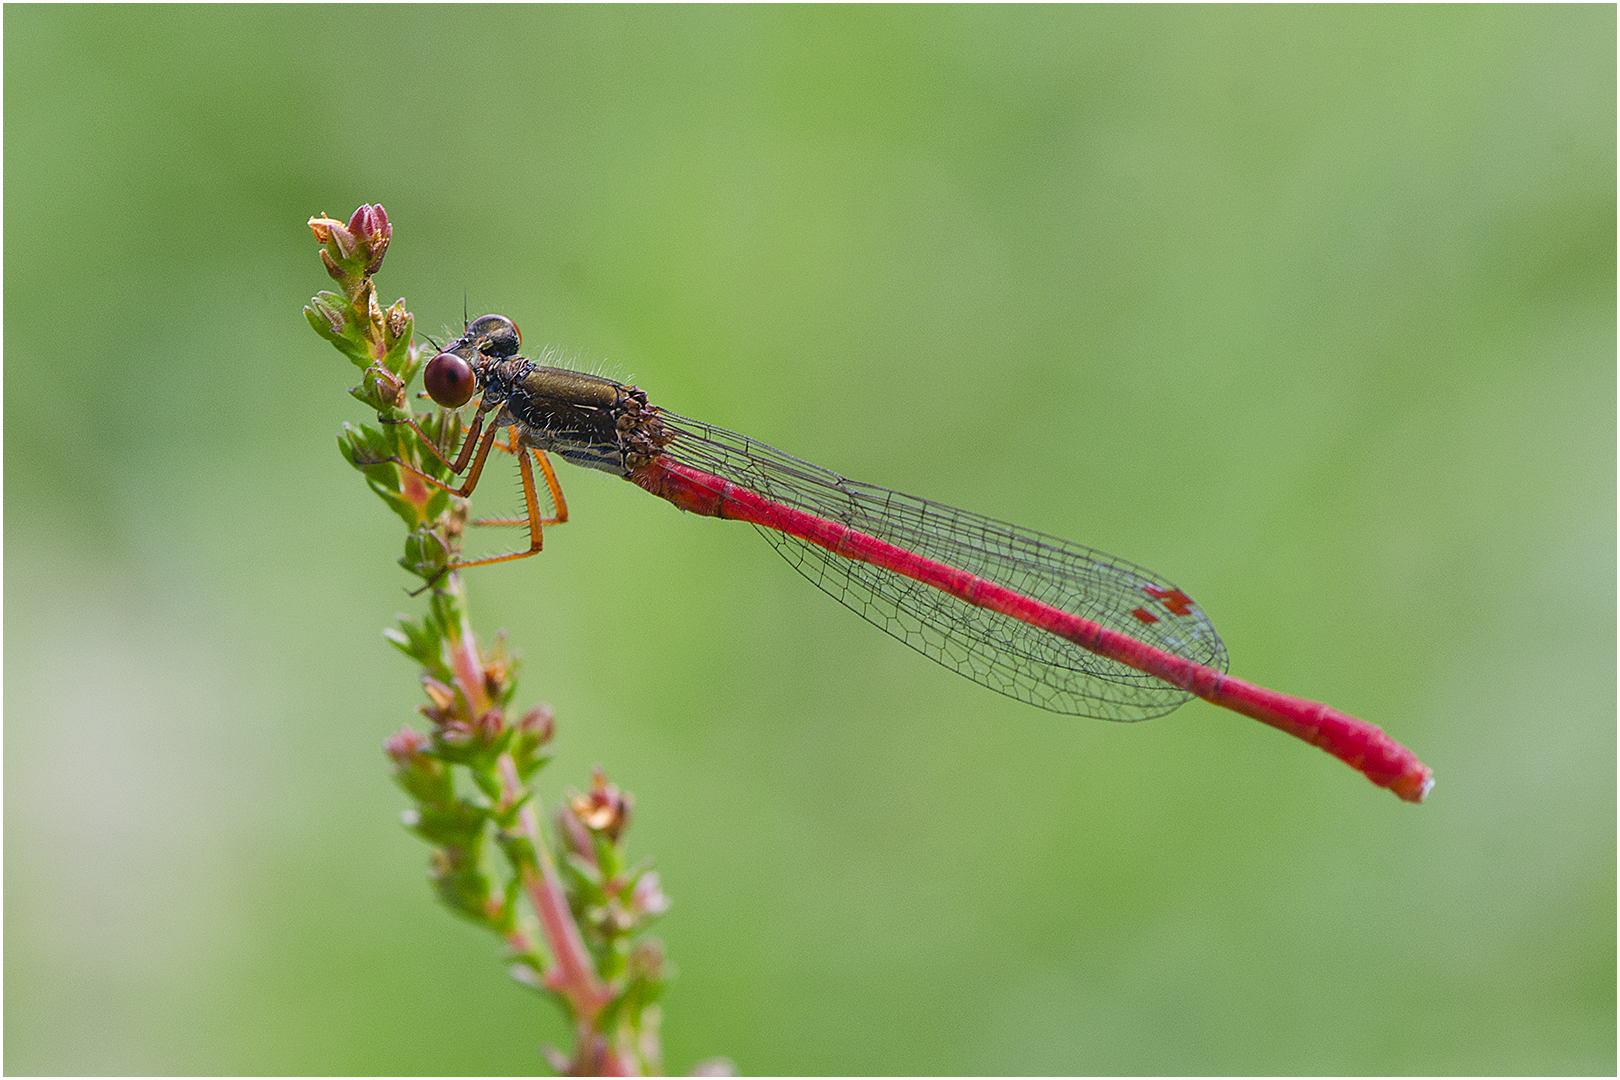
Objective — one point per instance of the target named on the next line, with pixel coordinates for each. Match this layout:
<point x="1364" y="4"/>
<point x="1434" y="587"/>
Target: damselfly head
<point x="450" y="377"/>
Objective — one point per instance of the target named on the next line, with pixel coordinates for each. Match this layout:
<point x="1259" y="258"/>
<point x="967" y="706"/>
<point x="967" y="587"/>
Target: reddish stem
<point x="574" y="977"/>
<point x="468" y="666"/>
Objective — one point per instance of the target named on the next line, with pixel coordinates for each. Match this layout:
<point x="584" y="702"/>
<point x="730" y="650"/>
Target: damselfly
<point x="1043" y="620"/>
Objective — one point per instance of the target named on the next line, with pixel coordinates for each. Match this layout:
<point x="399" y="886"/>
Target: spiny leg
<point x="466" y="445"/>
<point x="471" y="482"/>
<point x="553" y="488"/>
<point x="558" y="503"/>
<point x="531" y="501"/>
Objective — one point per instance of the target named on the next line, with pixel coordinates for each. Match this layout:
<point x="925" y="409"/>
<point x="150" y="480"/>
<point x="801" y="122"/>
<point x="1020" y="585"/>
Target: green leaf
<point x="458" y="824"/>
<point x="588" y="875"/>
<point x="427" y="781"/>
<point x="516" y="846"/>
<point x="419" y="641"/>
<point x="528" y="762"/>
<point x="487" y="783"/>
<point x="332" y="316"/>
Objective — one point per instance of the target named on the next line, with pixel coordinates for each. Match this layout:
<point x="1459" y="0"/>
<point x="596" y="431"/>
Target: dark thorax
<point x="585" y="419"/>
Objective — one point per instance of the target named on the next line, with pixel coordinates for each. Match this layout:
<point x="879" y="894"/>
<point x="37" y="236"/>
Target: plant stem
<point x="575" y="977"/>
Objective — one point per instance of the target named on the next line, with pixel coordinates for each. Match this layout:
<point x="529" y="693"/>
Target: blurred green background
<point x="1310" y="310"/>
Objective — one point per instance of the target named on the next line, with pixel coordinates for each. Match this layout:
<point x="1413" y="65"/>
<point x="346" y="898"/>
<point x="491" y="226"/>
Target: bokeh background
<point x="1311" y="310"/>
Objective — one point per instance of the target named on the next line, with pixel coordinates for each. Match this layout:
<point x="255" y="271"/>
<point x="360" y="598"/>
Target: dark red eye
<point x="449" y="380"/>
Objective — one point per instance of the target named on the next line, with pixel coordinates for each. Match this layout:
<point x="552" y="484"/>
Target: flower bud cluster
<point x="358" y="246"/>
<point x="353" y="320"/>
<point x="468" y="730"/>
<point x="612" y="902"/>
<point x="379" y="342"/>
<point x="612" y="899"/>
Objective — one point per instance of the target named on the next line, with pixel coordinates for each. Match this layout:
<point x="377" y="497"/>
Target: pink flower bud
<point x="647" y="898"/>
<point x="347" y="245"/>
<point x="404" y="745"/>
<point x="385" y="385"/>
<point x="489" y="726"/>
<point x="539" y="724"/>
<point x="370" y="226"/>
<point x="457" y="733"/>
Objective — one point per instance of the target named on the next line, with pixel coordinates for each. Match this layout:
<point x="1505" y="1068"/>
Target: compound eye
<point x="496" y="335"/>
<point x="449" y="380"/>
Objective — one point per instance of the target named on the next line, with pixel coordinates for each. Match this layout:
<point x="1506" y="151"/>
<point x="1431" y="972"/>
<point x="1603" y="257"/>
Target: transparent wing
<point x="992" y="649"/>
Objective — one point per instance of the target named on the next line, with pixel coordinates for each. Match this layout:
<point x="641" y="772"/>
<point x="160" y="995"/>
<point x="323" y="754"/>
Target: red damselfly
<point x="1040" y="619"/>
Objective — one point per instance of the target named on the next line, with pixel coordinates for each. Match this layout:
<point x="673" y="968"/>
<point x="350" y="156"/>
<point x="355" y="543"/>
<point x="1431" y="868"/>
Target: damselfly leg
<point x="532" y="516"/>
<point x="474" y="452"/>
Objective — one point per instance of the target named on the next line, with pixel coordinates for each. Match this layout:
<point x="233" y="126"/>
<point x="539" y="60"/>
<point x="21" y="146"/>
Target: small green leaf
<point x="427" y="781"/>
<point x="458" y="824"/>
<point x="588" y="873"/>
<point x="488" y="784"/>
<point x="419" y="641"/>
<point x="517" y="848"/>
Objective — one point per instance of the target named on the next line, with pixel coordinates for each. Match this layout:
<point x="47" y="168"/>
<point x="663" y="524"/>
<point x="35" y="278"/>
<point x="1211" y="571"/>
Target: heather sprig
<point x="571" y="912"/>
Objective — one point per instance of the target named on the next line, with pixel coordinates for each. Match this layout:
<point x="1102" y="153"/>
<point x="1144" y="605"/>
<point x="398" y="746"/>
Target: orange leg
<point x="471" y="482"/>
<point x="553" y="488"/>
<point x="533" y="518"/>
<point x="558" y="503"/>
<point x="531" y="502"/>
<point x="466" y="446"/>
